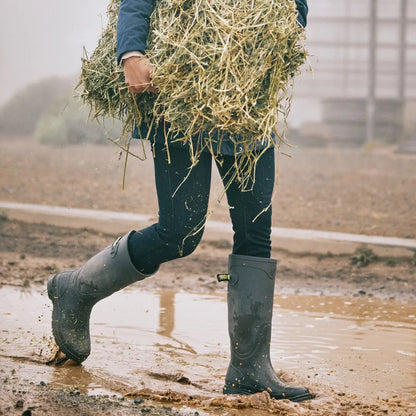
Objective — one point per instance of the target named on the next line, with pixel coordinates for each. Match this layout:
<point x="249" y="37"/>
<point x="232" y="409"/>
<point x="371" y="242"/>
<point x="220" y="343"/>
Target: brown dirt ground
<point x="338" y="190"/>
<point x="355" y="191"/>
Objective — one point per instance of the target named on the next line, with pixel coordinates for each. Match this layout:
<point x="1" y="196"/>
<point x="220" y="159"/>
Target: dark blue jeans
<point x="183" y="196"/>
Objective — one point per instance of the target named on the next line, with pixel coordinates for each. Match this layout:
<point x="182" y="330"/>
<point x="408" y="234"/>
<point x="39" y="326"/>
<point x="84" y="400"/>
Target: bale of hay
<point x="221" y="66"/>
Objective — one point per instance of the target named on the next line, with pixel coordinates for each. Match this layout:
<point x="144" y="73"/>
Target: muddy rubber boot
<point x="250" y="306"/>
<point x="74" y="293"/>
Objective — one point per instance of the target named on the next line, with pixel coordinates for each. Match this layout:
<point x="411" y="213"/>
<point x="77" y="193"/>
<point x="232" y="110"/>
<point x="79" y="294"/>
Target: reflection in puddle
<point x="164" y="340"/>
<point x="167" y="322"/>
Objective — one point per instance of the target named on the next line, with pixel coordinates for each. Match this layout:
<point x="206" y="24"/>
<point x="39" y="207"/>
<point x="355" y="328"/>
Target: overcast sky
<point x="39" y="38"/>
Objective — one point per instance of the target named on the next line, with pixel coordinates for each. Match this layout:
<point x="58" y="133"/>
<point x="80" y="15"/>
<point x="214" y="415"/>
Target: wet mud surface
<point x="162" y="343"/>
<point x="160" y="347"/>
<point x="358" y="355"/>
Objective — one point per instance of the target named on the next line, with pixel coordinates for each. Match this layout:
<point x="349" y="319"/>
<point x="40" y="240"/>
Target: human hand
<point x="138" y="74"/>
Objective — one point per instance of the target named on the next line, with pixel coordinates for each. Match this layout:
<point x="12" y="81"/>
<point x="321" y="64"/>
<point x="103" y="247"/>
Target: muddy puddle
<point x="155" y="344"/>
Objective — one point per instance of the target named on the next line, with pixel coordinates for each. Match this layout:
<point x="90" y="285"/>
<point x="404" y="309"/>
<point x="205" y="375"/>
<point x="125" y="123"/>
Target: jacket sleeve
<point x="303" y="11"/>
<point x="133" y="25"/>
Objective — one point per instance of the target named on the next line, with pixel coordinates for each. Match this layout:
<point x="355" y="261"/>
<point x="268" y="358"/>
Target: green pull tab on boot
<point x="223" y="277"/>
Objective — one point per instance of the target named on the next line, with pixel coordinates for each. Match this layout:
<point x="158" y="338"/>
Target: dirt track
<point x="348" y="191"/>
<point x="353" y="191"/>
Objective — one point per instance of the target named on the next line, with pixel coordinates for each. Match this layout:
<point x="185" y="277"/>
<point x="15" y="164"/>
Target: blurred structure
<point x="363" y="55"/>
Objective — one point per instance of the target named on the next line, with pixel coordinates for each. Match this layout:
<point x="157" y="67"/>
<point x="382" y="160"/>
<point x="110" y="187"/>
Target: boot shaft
<point x="108" y="271"/>
<point x="250" y="305"/>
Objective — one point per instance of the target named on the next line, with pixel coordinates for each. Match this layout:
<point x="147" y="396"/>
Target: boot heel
<point x="51" y="288"/>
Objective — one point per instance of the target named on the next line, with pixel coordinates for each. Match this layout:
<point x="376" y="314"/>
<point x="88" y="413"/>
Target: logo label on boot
<point x="114" y="247"/>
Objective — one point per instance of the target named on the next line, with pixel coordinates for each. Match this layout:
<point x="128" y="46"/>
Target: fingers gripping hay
<point x="221" y="66"/>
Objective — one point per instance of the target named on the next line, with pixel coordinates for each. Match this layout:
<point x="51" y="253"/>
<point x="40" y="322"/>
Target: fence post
<point x="372" y="57"/>
<point x="402" y="49"/>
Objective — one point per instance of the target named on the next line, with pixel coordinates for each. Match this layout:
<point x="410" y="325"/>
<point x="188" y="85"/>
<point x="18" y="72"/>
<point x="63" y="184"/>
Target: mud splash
<point x="173" y="347"/>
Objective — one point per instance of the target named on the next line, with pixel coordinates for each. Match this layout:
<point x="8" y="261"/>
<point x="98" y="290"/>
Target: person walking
<point x="183" y="194"/>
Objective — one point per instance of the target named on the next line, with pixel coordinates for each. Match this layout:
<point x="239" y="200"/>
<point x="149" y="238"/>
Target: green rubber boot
<point x="74" y="293"/>
<point x="250" y="307"/>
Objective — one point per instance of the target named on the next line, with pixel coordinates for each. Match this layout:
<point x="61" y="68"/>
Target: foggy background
<point x="363" y="56"/>
<point x="43" y="38"/>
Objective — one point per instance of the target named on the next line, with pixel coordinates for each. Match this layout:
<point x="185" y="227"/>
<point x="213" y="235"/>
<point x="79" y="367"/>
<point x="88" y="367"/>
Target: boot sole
<point x="56" y="333"/>
<point x="243" y="390"/>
